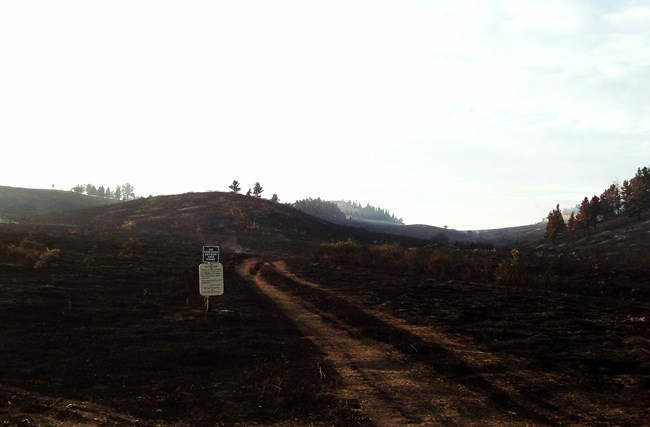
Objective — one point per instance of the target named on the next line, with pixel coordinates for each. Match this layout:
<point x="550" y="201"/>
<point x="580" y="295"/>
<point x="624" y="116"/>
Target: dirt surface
<point x="116" y="333"/>
<point x="393" y="388"/>
<point x="525" y="357"/>
<point x="101" y="323"/>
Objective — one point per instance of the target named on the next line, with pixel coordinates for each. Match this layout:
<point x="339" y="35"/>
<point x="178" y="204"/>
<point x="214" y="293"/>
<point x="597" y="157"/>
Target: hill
<point x="103" y="324"/>
<point x="369" y="213"/>
<point x="320" y="324"/>
<point x="238" y="222"/>
<point x="17" y="203"/>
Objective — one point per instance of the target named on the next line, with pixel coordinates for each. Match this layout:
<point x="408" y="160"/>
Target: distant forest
<point x="121" y="192"/>
<point x="632" y="198"/>
<point x="371" y="213"/>
<point x="320" y="208"/>
<point x="330" y="211"/>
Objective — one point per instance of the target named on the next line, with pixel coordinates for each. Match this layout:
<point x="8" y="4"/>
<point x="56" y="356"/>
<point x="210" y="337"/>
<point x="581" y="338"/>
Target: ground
<point x="112" y="331"/>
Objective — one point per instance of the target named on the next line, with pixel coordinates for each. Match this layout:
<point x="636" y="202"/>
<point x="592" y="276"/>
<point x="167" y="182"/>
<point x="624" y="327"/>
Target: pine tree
<point x="584" y="214"/>
<point x="595" y="210"/>
<point x="571" y="224"/>
<point x="257" y="190"/>
<point x="234" y="187"/>
<point x="555" y="225"/>
<point x="275" y="198"/>
<point x="636" y="193"/>
<point x="128" y="191"/>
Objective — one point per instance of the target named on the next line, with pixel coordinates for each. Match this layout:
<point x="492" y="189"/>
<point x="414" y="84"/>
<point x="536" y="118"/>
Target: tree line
<point x="370" y="212"/>
<point x="631" y="198"/>
<point x="323" y="209"/>
<point x="121" y="192"/>
<point x="320" y="208"/>
<point x="256" y="191"/>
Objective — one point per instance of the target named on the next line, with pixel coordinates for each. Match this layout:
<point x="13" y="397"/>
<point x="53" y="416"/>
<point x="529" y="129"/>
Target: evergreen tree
<point x="249" y="192"/>
<point x="275" y="198"/>
<point x="117" y="195"/>
<point x="257" y="190"/>
<point x="635" y="193"/>
<point x="633" y="196"/>
<point x="584" y="214"/>
<point x="571" y="224"/>
<point x="642" y="187"/>
<point x="610" y="202"/>
<point x="555" y="225"/>
<point x="91" y="190"/>
<point x="79" y="189"/>
<point x="128" y="192"/>
<point x="234" y="187"/>
<point x="595" y="210"/>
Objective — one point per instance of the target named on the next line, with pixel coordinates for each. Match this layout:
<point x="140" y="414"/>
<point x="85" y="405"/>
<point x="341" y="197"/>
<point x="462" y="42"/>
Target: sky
<point x="471" y="114"/>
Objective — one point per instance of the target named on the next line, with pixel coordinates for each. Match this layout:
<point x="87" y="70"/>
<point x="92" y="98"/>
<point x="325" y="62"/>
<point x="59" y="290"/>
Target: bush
<point x="32" y="251"/>
<point x="47" y="258"/>
<point x="509" y="271"/>
<point x="28" y="249"/>
<point x="439" y="264"/>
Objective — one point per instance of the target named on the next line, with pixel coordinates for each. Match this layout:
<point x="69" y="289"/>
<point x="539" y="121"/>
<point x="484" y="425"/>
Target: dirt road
<point x="385" y="364"/>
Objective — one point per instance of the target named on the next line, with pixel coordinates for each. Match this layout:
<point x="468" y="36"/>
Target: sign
<point x="211" y="279"/>
<point x="210" y="253"/>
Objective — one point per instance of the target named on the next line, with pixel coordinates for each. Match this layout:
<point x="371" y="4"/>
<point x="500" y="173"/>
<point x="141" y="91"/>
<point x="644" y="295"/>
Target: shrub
<point x="128" y="225"/>
<point x="32" y="251"/>
<point x="509" y="271"/>
<point x="439" y="264"/>
<point x="47" y="258"/>
<point x="28" y="249"/>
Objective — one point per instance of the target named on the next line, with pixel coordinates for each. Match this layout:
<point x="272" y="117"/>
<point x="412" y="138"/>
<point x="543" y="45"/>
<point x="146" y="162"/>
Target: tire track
<point x="443" y="354"/>
<point x="391" y="387"/>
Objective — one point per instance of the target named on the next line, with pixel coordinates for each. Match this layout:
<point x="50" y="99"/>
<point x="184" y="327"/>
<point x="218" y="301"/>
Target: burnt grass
<point x="111" y="329"/>
<point x="571" y="346"/>
<point x="114" y="332"/>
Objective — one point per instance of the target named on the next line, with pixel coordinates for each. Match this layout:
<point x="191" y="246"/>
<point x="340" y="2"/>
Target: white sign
<point x="211" y="279"/>
<point x="210" y="253"/>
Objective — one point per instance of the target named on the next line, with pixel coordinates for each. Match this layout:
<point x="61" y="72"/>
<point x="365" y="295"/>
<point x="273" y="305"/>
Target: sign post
<point x="210" y="275"/>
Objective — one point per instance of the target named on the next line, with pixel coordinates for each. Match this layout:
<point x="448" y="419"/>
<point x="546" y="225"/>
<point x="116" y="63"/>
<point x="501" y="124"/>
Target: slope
<point x="16" y="203"/>
<point x="241" y="223"/>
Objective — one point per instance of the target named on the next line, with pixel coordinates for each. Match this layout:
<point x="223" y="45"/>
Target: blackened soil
<point x="551" y="357"/>
<point x="114" y="332"/>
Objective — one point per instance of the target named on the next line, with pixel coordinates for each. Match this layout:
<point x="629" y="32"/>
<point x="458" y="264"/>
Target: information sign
<point x="210" y="253"/>
<point x="211" y="279"/>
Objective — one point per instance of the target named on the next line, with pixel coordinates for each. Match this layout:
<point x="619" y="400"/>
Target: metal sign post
<point x="210" y="275"/>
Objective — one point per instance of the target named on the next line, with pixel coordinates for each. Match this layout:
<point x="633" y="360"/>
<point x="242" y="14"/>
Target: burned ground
<point x="101" y="323"/>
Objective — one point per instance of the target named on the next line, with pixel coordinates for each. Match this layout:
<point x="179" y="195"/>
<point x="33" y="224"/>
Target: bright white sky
<point x="471" y="114"/>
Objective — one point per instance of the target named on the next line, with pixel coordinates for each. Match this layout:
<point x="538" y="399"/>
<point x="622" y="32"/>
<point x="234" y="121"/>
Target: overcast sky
<point x="471" y="114"/>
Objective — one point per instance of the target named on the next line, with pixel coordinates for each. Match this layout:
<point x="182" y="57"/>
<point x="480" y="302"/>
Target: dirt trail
<point x="392" y="387"/>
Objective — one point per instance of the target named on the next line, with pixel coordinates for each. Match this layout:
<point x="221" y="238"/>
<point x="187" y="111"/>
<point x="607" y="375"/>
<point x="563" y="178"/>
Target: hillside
<point x="622" y="241"/>
<point x="356" y="211"/>
<point x="236" y="221"/>
<point x="17" y="203"/>
<point x="319" y="324"/>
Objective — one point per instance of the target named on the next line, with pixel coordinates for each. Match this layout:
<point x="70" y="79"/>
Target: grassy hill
<point x="18" y="203"/>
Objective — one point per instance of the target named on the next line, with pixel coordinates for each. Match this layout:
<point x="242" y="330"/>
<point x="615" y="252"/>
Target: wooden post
<point x="207" y="304"/>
